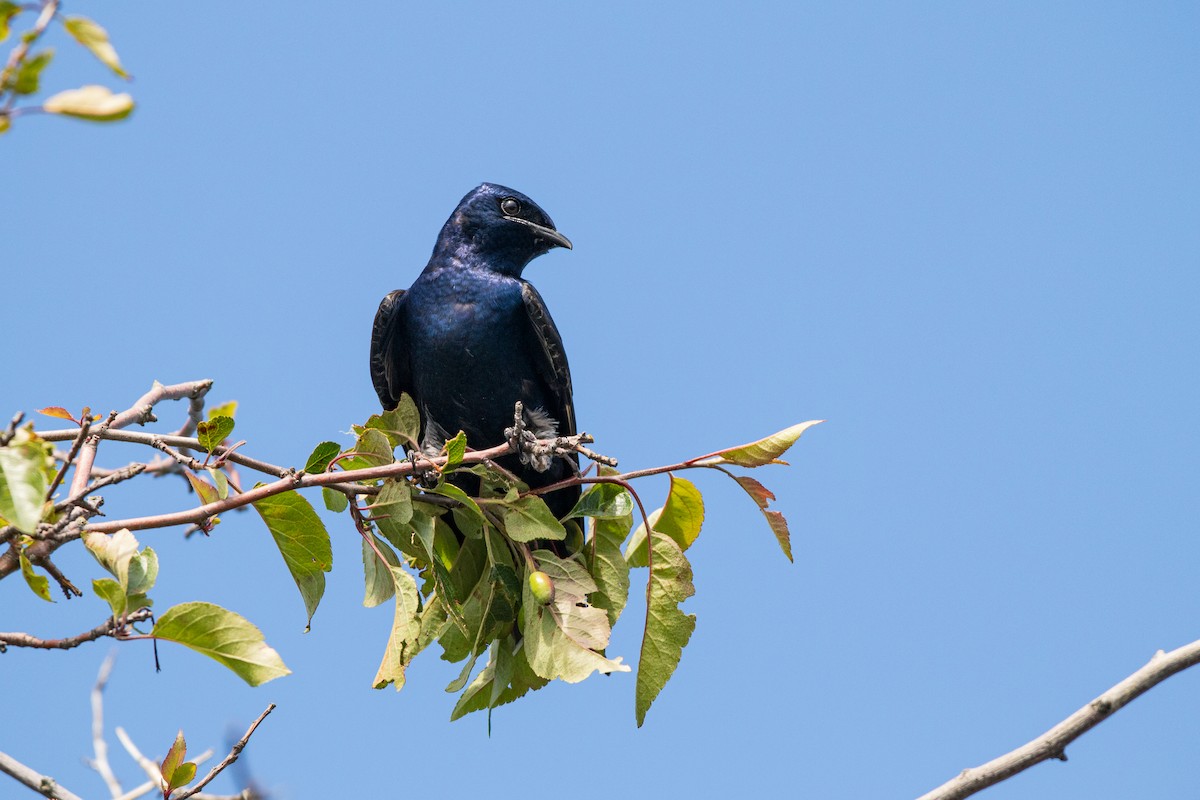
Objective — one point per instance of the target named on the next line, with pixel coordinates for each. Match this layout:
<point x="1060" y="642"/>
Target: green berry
<point x="541" y="587"/>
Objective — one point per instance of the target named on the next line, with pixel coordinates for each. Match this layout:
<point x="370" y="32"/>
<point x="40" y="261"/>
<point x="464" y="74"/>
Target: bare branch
<point x="140" y="412"/>
<point x="9" y="432"/>
<point x="42" y="784"/>
<point x="113" y="476"/>
<point x="110" y="627"/>
<point x="1053" y="743"/>
<point x="74" y="451"/>
<point x="149" y="767"/>
<point x="229" y="759"/>
<point x="99" y="745"/>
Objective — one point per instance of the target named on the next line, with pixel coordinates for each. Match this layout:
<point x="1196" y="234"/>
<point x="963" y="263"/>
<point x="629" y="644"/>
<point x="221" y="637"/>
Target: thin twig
<point x="140" y="412"/>
<point x="74" y="451"/>
<point x="110" y="627"/>
<point x="1053" y="743"/>
<point x="115" y="476"/>
<point x="42" y="784"/>
<point x="9" y="432"/>
<point x="149" y="767"/>
<point x="99" y="745"/>
<point x="229" y="759"/>
<point x="69" y="589"/>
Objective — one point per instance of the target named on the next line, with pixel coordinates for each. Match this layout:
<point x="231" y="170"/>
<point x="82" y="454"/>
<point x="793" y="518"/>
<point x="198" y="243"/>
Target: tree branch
<point x="110" y="627"/>
<point x="140" y="412"/>
<point x="99" y="745"/>
<point x="229" y="759"/>
<point x="1053" y="743"/>
<point x="42" y="784"/>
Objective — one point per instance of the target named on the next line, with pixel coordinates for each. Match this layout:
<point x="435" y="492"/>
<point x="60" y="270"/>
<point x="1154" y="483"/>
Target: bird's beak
<point x="549" y="234"/>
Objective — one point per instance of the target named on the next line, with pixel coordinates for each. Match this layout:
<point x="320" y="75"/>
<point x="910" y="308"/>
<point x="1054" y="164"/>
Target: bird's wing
<point x="551" y="360"/>
<point x="391" y="370"/>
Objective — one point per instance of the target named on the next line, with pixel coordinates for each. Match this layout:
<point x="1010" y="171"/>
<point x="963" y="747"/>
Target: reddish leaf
<point x="56" y="411"/>
<point x="779" y="527"/>
<point x="759" y="493"/>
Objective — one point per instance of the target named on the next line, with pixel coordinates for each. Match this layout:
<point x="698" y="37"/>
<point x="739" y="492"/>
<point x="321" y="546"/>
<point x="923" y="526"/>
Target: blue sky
<point x="964" y="234"/>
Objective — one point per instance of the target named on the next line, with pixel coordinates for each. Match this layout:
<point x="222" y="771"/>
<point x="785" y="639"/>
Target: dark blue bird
<point x="470" y="338"/>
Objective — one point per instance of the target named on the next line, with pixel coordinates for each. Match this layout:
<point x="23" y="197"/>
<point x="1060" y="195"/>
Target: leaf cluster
<point x="22" y="77"/>
<point x="516" y="596"/>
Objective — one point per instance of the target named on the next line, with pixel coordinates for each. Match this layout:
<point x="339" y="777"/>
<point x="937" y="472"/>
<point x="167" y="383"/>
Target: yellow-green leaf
<point x="403" y="642"/>
<point x="26" y="469"/>
<point x="94" y="103"/>
<point x="8" y="10"/>
<point x="764" y="451"/>
<point x="29" y="75"/>
<point x="223" y="636"/>
<point x="172" y="762"/>
<point x="95" y="38"/>
<point x="40" y="584"/>
<point x="114" y="551"/>
<point x="214" y="431"/>
<point x="680" y="518"/>
<point x="228" y="409"/>
<point x="667" y="628"/>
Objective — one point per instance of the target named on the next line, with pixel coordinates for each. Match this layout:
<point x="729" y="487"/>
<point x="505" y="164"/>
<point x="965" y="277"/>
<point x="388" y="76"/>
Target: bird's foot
<point x="525" y="443"/>
<point x="427" y="477"/>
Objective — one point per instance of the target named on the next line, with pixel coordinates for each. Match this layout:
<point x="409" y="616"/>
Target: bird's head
<point x="500" y="228"/>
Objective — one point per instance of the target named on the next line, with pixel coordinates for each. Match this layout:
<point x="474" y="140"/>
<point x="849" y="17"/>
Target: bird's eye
<point x="510" y="206"/>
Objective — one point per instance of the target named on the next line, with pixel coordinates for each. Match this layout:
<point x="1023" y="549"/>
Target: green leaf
<point x="394" y="501"/>
<point x="603" y="501"/>
<point x="26" y="469"/>
<point x="380" y="585"/>
<point x="95" y="38"/>
<point x="608" y="567"/>
<point x="454" y="449"/>
<point x="214" y="431"/>
<point x="371" y="449"/>
<point x="302" y="541"/>
<point x="561" y="639"/>
<point x="402" y="424"/>
<point x="93" y="103"/>
<point x="680" y="518"/>
<point x="5" y="123"/>
<point x="473" y="517"/>
<point x="404" y="640"/>
<point x="142" y="572"/>
<point x="221" y="482"/>
<point x="334" y="500"/>
<point x="111" y="591"/>
<point x="40" y="584"/>
<point x="667" y="628"/>
<point x="764" y="451"/>
<point x="204" y="490"/>
<point x="227" y="409"/>
<point x="528" y="519"/>
<point x="322" y="455"/>
<point x="223" y="636"/>
<point x="29" y="75"/>
<point x="8" y="10"/>
<point x="184" y="774"/>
